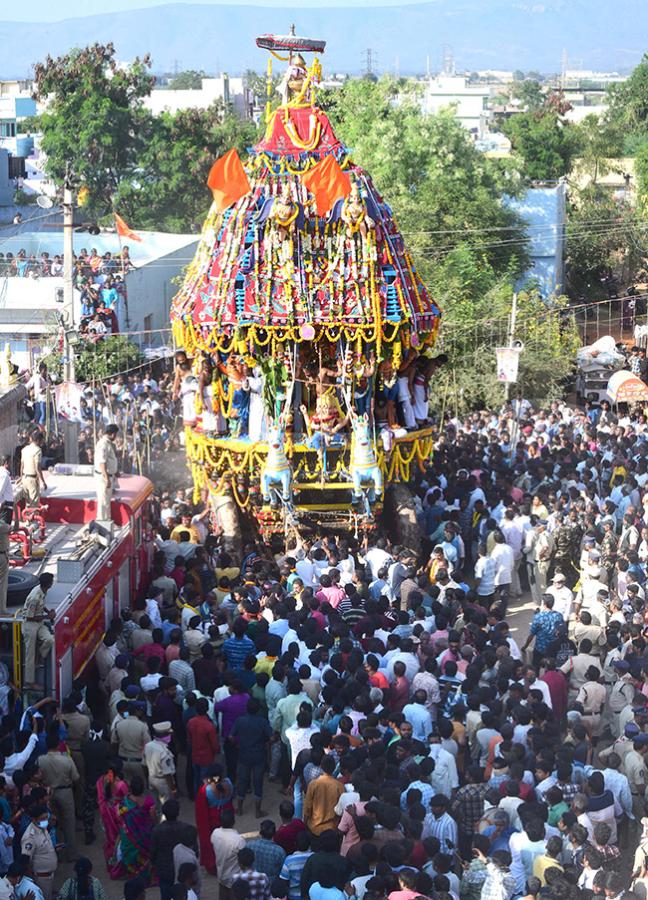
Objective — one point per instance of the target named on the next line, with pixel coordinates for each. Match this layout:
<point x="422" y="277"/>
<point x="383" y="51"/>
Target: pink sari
<point x="109" y="812"/>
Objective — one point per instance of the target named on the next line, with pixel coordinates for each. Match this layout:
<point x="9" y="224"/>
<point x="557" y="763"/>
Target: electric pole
<point x="70" y="429"/>
<point x="511" y="338"/>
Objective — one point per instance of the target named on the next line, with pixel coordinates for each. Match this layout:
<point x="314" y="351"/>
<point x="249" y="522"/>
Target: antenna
<point x="369" y="57"/>
<point x="564" y="67"/>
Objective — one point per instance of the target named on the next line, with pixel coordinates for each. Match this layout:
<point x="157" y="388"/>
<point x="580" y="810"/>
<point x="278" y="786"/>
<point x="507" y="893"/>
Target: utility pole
<point x="511" y="338"/>
<point x="70" y="429"/>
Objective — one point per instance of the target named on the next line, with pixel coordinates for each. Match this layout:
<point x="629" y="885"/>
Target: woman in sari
<point x="137" y="817"/>
<point x="111" y="790"/>
<point x="215" y="794"/>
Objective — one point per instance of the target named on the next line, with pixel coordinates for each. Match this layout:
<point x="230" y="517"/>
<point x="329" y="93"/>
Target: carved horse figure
<point x="277" y="471"/>
<point x="364" y="462"/>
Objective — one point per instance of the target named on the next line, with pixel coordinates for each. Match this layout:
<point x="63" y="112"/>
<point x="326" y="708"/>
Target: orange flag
<point x="328" y="183"/>
<point x="123" y="230"/>
<point x="228" y="181"/>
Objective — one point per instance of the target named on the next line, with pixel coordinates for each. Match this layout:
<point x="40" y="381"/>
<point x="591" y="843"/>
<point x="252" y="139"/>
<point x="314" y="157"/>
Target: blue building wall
<point x="543" y="210"/>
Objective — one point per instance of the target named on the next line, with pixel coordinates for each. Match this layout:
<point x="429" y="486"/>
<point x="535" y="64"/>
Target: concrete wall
<point x="9" y="400"/>
<point x="151" y="290"/>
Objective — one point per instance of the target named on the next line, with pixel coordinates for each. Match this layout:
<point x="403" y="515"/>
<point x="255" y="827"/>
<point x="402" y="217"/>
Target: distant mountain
<point x="509" y="34"/>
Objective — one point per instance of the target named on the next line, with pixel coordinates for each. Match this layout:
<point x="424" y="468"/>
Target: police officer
<point x="160" y="763"/>
<point x="131" y="734"/>
<point x="106" y="468"/>
<point x="35" y="633"/>
<point x="37" y="845"/>
<point x="78" y="730"/>
<point x="60" y="774"/>
<point x="31" y="472"/>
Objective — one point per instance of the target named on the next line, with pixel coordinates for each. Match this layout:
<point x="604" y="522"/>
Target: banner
<point x="508" y="360"/>
<point x="68" y="401"/>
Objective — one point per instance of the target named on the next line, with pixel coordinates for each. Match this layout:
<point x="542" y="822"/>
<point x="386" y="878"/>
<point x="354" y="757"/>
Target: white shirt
<point x="377" y="559"/>
<point x="563" y="599"/>
<point x="6" y="487"/>
<point x="505" y="559"/>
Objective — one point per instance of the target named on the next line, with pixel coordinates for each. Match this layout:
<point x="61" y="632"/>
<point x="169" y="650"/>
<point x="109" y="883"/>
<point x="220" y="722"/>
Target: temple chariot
<point x="306" y="333"/>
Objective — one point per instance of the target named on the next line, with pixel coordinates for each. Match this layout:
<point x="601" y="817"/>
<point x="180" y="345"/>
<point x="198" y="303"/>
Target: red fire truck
<point x="97" y="572"/>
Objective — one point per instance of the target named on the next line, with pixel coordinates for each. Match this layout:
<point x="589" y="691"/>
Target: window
<point x="7" y="129"/>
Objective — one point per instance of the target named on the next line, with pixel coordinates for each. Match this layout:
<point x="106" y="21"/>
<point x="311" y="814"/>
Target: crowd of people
<point x="99" y="278"/>
<point x="426" y="740"/>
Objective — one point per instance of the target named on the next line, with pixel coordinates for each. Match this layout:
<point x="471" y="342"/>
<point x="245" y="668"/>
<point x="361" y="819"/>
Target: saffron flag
<point x="228" y="181"/>
<point x="328" y="183"/>
<point x="124" y="231"/>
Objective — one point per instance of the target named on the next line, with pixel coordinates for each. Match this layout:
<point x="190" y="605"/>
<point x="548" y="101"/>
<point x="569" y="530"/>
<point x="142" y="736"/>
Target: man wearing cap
<point x="106" y="468"/>
<point x="37" y="846"/>
<point x="131" y="735"/>
<point x="634" y="768"/>
<point x="60" y="774"/>
<point x="563" y="597"/>
<point x="159" y="762"/>
<point x="621" y="693"/>
<point x="441" y="825"/>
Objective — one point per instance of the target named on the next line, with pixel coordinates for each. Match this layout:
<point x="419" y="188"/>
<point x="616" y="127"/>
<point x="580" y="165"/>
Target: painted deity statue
<point x="365" y="470"/>
<point x="354" y="214"/>
<point x="277" y="471"/>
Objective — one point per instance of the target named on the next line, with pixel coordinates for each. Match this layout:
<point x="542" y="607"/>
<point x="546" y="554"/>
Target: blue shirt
<point x="291" y="872"/>
<point x="237" y="649"/>
<point x="544" y="627"/>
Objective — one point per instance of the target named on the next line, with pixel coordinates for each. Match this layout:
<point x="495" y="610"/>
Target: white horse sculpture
<point x="277" y="471"/>
<point x="364" y="462"/>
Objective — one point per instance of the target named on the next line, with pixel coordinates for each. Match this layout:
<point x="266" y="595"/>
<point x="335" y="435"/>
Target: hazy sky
<point x="45" y="10"/>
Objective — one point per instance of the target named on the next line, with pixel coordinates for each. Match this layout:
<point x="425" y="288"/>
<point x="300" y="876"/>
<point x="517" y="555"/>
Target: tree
<point x="545" y="141"/>
<point x="628" y="100"/>
<point x="530" y="94"/>
<point x="189" y="80"/>
<point x="476" y="304"/>
<point x="94" y="119"/>
<point x="601" y="238"/>
<point x="439" y="185"/>
<point x="169" y="190"/>
<point x="600" y="141"/>
<point x="112" y="355"/>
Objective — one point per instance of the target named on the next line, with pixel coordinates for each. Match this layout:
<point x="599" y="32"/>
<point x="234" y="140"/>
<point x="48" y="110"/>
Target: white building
<point x="469" y="100"/>
<point x="16" y="105"/>
<point x="30" y="308"/>
<point x="232" y="91"/>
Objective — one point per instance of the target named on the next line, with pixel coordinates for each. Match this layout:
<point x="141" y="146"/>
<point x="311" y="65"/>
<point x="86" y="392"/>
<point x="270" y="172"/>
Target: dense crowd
<point x="99" y="278"/>
<point x="142" y="405"/>
<point x="419" y="750"/>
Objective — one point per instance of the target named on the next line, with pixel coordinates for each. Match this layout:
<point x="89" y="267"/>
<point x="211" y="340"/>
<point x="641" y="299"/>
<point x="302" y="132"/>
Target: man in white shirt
<point x="6" y="487"/>
<point x="514" y="537"/>
<point x="505" y="561"/>
<point x="377" y="557"/>
<point x="563" y="597"/>
<point x="485" y="572"/>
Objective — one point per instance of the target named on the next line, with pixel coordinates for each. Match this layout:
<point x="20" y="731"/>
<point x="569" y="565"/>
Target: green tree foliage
<point x="94" y="117"/>
<point x="169" y="190"/>
<point x="600" y="141"/>
<point x="530" y="94"/>
<point x="476" y="304"/>
<point x="446" y="197"/>
<point x="99" y="361"/>
<point x="189" y="80"/>
<point x="601" y="237"/>
<point x="545" y="141"/>
<point x="442" y="189"/>
<point x="628" y="101"/>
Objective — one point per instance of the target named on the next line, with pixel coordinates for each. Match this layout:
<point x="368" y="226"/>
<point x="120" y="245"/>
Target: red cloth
<point x="207" y="818"/>
<point x="149" y="650"/>
<point x="399" y="694"/>
<point x="557" y="684"/>
<point x="286" y="836"/>
<point x="302" y="123"/>
<point x="227" y="180"/>
<point x="203" y="740"/>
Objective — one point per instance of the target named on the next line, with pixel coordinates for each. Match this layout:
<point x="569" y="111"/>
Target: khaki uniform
<point x="105" y="454"/>
<point x="543" y="549"/>
<point x="131" y="736"/>
<point x="60" y="773"/>
<point x="37" y="845"/>
<point x="36" y="634"/>
<point x="78" y="731"/>
<point x="634" y="768"/>
<point x="159" y="761"/>
<point x="4" y="565"/>
<point x="30" y="463"/>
